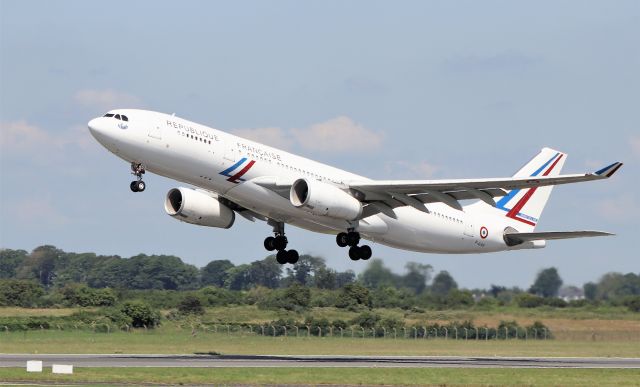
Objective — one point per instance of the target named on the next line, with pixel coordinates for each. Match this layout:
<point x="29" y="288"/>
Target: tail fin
<point x="523" y="207"/>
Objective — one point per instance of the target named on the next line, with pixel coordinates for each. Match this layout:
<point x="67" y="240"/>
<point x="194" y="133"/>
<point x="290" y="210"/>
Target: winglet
<point x="610" y="170"/>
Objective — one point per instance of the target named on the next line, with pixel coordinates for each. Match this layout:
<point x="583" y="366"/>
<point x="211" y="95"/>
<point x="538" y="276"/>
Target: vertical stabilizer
<point x="523" y="207"/>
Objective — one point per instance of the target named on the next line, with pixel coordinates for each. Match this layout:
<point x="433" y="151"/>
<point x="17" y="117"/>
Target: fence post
<point x="466" y="334"/>
<point x="535" y="333"/>
<point x="297" y="330"/>
<point x="228" y="330"/>
<point x="486" y="333"/>
<point x="274" y="330"/>
<point x="6" y="329"/>
<point x="455" y="329"/>
<point x="516" y="333"/>
<point x="319" y="332"/>
<point x="435" y="332"/>
<point x="331" y="331"/>
<point x="352" y="334"/>
<point x="308" y="331"/>
<point x="341" y="332"/>
<point x="415" y="332"/>
<point x="446" y="333"/>
<point x="404" y="332"/>
<point x="285" y="330"/>
<point x="384" y="332"/>
<point x="545" y="333"/>
<point x="506" y="333"/>
<point x="395" y="333"/>
<point x="262" y="328"/>
<point x="424" y="332"/>
<point x="477" y="334"/>
<point x="526" y="334"/>
<point x="362" y="332"/>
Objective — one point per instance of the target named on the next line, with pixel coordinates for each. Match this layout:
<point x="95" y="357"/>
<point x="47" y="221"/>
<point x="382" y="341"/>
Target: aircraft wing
<point x="517" y="238"/>
<point x="382" y="196"/>
<point x="414" y="192"/>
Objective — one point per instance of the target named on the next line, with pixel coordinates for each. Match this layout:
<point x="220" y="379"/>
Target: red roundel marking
<point x="484" y="233"/>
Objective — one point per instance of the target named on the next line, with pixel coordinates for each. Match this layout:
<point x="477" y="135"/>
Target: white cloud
<point x="272" y="136"/>
<point x="620" y="208"/>
<point x="37" y="211"/>
<point x="105" y="99"/>
<point x="403" y="169"/>
<point x="339" y="134"/>
<point x="20" y="136"/>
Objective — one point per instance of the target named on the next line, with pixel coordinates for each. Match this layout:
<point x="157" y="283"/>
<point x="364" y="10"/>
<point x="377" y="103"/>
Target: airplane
<point x="233" y="175"/>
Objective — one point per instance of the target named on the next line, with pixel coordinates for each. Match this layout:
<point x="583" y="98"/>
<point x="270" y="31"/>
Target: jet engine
<point x="324" y="199"/>
<point x="197" y="207"/>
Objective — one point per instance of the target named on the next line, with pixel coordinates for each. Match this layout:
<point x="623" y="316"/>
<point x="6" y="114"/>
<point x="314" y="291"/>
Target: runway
<point x="186" y="361"/>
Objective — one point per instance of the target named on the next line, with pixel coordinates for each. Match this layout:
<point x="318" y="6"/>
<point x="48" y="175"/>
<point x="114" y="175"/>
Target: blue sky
<point x="422" y="89"/>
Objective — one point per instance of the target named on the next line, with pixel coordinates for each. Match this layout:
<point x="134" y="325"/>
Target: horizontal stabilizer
<point x="516" y="238"/>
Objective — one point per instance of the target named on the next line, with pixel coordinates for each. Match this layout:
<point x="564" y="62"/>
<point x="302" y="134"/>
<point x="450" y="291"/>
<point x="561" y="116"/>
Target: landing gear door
<point x="155" y="130"/>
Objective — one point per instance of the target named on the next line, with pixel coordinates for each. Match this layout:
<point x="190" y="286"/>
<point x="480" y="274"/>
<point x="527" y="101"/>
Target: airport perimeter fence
<point x="434" y="331"/>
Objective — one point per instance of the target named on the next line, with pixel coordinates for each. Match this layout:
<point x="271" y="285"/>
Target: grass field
<point x="337" y="376"/>
<point x="169" y="340"/>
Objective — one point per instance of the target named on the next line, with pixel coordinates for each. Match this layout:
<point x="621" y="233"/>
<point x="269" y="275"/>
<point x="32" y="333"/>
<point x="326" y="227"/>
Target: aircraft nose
<point x="93" y="125"/>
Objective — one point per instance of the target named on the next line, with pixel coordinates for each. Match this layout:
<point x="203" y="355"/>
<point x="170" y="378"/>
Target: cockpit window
<point x="125" y="118"/>
<point x="108" y="115"/>
<point x="117" y="116"/>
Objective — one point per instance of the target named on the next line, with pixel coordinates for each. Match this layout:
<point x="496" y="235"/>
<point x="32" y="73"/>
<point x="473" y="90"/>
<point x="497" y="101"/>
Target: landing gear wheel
<point x="365" y="252"/>
<point x="292" y="256"/>
<point x="342" y="239"/>
<point x="140" y="186"/>
<point x="280" y="242"/>
<point x="353" y="238"/>
<point x="134" y="186"/>
<point x="354" y="253"/>
<point x="282" y="257"/>
<point x="270" y="243"/>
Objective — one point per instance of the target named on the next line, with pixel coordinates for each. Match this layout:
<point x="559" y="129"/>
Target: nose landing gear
<point x="279" y="242"/>
<point x="352" y="238"/>
<point x="137" y="185"/>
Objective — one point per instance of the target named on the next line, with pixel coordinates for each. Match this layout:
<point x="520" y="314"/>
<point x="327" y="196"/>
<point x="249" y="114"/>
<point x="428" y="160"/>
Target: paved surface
<point x="8" y="360"/>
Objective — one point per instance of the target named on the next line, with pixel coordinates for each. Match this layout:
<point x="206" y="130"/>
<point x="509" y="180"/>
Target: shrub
<point x="555" y="302"/>
<point x="526" y="300"/>
<point x="366" y="319"/>
<point x="141" y="314"/>
<point x="354" y="297"/>
<point x="190" y="304"/>
<point x="633" y="303"/>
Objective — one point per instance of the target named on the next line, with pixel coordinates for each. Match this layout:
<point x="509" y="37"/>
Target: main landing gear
<point x="137" y="185"/>
<point x="352" y="238"/>
<point x="279" y="242"/>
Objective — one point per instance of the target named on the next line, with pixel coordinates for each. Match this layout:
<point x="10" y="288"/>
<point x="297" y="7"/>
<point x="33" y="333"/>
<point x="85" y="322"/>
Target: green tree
<point x="443" y="283"/>
<point x="590" y="290"/>
<point x="614" y="286"/>
<point x="40" y="265"/>
<point x="215" y="272"/>
<point x="417" y="276"/>
<point x="24" y="293"/>
<point x="10" y="261"/>
<point x="266" y="272"/>
<point x="377" y="275"/>
<point x="239" y="277"/>
<point x="547" y="283"/>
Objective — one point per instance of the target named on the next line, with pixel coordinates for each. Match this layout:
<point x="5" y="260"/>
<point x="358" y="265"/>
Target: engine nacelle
<point x="195" y="207"/>
<point x="324" y="199"/>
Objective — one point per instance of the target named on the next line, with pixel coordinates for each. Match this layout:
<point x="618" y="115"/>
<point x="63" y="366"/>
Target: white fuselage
<point x="198" y="155"/>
